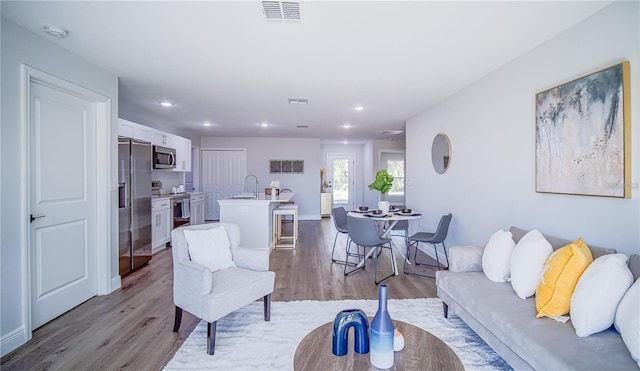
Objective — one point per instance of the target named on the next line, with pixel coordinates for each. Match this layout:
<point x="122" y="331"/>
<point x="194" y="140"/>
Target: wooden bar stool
<point x="278" y="239"/>
<point x="294" y="219"/>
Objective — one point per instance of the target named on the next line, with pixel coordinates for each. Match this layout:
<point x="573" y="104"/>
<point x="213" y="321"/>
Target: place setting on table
<point x="385" y="221"/>
<point x="393" y="214"/>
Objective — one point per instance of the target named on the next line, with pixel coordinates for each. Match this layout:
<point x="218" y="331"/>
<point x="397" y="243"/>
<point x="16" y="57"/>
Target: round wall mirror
<point x="441" y="153"/>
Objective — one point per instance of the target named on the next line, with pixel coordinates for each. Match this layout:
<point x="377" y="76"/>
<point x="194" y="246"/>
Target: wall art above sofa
<point x="583" y="139"/>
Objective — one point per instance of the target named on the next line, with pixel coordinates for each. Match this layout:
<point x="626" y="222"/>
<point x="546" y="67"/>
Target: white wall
<point x="491" y="181"/>
<point x="20" y="46"/>
<point x="260" y="150"/>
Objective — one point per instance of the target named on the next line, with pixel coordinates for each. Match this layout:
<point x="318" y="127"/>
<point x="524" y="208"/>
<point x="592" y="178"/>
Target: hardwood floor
<point x="131" y="328"/>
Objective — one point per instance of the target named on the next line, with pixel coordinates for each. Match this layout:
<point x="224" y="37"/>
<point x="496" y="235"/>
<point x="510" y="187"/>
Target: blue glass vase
<point x="381" y="338"/>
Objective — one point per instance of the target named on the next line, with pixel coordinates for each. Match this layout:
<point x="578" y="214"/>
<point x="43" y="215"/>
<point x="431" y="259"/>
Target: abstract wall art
<point x="583" y="139"/>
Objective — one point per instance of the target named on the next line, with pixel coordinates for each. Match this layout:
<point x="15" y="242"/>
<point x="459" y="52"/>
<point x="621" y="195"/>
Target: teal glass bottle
<point x="381" y="338"/>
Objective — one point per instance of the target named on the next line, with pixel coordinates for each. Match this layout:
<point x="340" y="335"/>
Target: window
<point x="396" y="169"/>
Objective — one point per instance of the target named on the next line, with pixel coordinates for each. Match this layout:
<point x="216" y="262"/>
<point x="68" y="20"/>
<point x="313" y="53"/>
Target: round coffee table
<point x="422" y="351"/>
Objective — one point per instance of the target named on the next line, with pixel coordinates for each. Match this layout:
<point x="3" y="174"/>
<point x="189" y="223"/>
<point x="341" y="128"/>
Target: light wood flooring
<point x="131" y="328"/>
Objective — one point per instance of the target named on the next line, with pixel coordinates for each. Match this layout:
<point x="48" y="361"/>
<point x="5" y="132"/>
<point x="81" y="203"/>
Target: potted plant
<point x="382" y="184"/>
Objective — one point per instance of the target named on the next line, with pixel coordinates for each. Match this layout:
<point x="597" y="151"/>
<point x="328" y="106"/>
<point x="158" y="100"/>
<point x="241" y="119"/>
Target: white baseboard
<point x="309" y="217"/>
<point x="116" y="283"/>
<point x="13" y="340"/>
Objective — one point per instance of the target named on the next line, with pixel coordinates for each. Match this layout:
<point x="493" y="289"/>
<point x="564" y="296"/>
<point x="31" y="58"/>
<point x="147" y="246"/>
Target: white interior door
<point x="62" y="182"/>
<point x="340" y="173"/>
<point x="223" y="173"/>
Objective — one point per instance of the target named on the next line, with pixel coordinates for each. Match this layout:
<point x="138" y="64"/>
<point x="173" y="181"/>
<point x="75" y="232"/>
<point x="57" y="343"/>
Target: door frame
<point x="105" y="190"/>
<point x="352" y="176"/>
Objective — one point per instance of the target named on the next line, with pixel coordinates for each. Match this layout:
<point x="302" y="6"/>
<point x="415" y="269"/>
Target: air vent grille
<point x="391" y="132"/>
<point x="281" y="11"/>
<point x="298" y="100"/>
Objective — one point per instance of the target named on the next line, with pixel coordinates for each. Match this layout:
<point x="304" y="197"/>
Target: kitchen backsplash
<point x="169" y="180"/>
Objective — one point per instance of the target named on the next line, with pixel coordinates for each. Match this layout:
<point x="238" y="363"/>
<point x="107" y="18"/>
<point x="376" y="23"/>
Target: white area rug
<point x="244" y="341"/>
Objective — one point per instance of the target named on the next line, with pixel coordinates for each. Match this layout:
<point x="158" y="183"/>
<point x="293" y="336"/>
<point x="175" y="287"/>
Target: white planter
<point x="384" y="206"/>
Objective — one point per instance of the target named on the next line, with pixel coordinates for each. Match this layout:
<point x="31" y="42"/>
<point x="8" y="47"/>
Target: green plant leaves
<point x="383" y="182"/>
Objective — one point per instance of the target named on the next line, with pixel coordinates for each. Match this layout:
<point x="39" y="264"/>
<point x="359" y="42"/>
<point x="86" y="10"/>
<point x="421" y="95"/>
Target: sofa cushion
<point x="634" y="266"/>
<point x="559" y="278"/>
<point x="527" y="261"/>
<point x="497" y="255"/>
<point x="627" y="320"/>
<point x="210" y="248"/>
<point x="598" y="293"/>
<point x="557" y="243"/>
<point x="543" y="343"/>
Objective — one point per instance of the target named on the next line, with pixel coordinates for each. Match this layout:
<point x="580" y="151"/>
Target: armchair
<point x="212" y="295"/>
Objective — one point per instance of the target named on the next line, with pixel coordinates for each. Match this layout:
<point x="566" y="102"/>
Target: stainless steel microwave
<point x="164" y="157"/>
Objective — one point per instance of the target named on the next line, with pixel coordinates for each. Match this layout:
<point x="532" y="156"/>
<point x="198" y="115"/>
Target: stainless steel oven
<point x="181" y="210"/>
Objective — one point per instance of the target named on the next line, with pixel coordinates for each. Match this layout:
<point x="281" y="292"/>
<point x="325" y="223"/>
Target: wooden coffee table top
<point x="422" y="351"/>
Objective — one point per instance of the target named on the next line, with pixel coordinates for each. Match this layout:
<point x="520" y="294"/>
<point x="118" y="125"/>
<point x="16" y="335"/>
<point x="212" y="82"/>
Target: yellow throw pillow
<point x="559" y="278"/>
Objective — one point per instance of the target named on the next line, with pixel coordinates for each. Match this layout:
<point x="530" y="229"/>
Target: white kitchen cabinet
<point x="144" y="133"/>
<point x="132" y="130"/>
<point x="197" y="208"/>
<point x="160" y="138"/>
<point x="183" y="153"/>
<point x="160" y="223"/>
<point x="126" y="128"/>
<point x="325" y="204"/>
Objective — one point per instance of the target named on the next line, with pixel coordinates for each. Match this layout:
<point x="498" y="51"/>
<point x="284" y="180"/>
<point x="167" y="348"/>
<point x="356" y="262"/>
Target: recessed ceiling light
<point x="264" y="124"/>
<point x="55" y="31"/>
<point x="166" y="103"/>
<point x="206" y="124"/>
<point x="346" y="142"/>
<point x="358" y="108"/>
<point x="346" y="125"/>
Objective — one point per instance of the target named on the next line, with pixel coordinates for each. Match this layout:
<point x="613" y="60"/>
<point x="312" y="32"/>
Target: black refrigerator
<point x="134" y="203"/>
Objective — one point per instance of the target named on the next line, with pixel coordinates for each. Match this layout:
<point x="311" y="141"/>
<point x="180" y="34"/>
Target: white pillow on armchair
<point x="210" y="248"/>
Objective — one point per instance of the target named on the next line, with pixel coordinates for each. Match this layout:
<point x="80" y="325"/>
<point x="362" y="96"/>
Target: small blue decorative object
<point x="381" y="355"/>
<point x="346" y="319"/>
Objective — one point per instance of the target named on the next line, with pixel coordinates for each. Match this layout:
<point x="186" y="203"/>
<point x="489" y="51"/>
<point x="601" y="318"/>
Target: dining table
<point x="385" y="223"/>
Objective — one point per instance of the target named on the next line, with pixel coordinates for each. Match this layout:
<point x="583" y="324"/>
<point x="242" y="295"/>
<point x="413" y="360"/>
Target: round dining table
<point x="385" y="223"/>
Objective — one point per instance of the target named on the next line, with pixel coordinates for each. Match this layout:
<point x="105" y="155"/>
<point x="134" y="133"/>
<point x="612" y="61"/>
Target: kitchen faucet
<point x="245" y="183"/>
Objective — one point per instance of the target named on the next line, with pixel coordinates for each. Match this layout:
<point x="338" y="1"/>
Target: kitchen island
<point x="254" y="216"/>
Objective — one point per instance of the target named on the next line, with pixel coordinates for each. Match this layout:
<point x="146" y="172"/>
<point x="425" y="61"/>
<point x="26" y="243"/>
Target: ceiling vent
<point x="298" y="101"/>
<point x="281" y="11"/>
<point x="302" y="126"/>
<point x="391" y="132"/>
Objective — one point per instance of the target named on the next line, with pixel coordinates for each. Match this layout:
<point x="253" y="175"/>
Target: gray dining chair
<point x="363" y="232"/>
<point x="339" y="216"/>
<point x="432" y="238"/>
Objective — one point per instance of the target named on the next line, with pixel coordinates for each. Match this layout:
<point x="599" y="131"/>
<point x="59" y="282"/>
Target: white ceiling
<point x="221" y="61"/>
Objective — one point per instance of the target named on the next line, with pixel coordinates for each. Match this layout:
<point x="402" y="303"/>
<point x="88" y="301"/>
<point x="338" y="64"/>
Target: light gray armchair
<point x="212" y="295"/>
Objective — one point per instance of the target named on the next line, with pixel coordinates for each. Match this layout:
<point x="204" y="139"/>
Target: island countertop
<point x="254" y="216"/>
<point x="283" y="197"/>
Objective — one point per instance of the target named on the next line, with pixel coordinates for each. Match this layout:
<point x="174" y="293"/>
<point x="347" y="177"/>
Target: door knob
<point x="36" y="217"/>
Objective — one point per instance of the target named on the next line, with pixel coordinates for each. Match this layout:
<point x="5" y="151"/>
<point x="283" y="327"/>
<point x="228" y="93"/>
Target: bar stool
<point x="278" y="239"/>
<point x="294" y="219"/>
<point x="290" y="205"/>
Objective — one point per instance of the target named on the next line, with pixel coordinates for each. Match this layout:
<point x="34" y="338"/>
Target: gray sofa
<point x="509" y="324"/>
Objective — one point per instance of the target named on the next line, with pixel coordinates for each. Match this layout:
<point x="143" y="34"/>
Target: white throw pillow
<point x="527" y="262"/>
<point x="497" y="255"/>
<point x="210" y="248"/>
<point x="627" y="320"/>
<point x="598" y="293"/>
